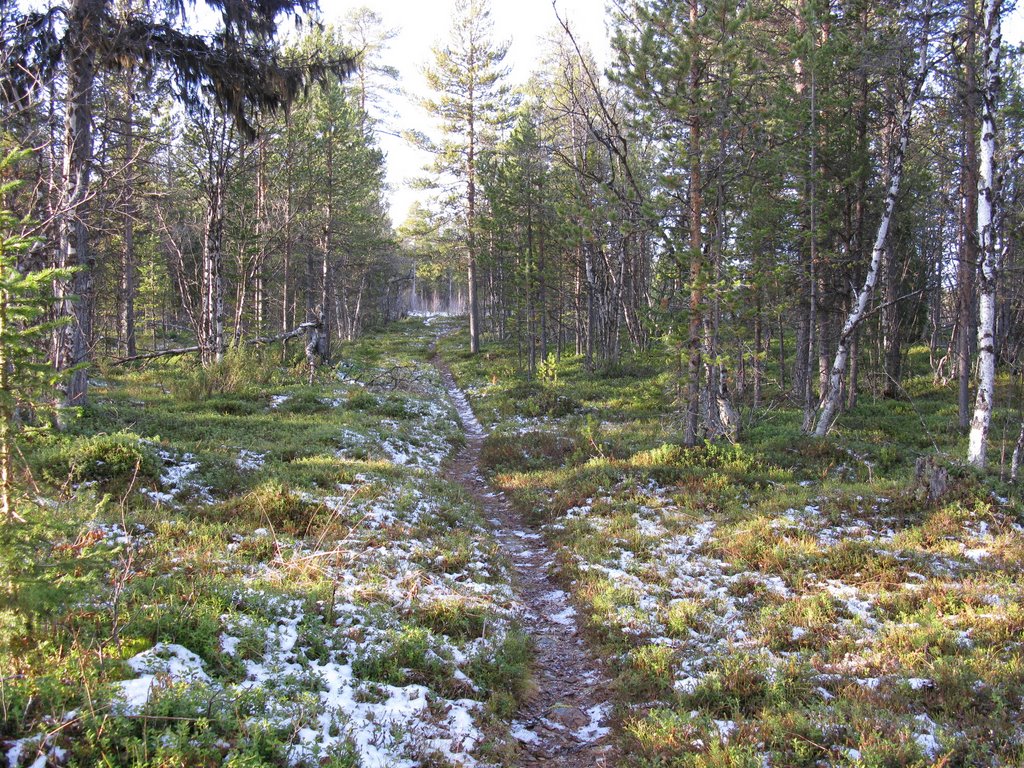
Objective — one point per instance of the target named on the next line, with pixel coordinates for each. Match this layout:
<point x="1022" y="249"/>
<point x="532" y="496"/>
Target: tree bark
<point x="474" y="299"/>
<point x="987" y="251"/>
<point x="891" y="352"/>
<point x="696" y="245"/>
<point x="832" y="399"/>
<point x="72" y="343"/>
<point x="128" y="278"/>
<point x="967" y="261"/>
<point x="1018" y="449"/>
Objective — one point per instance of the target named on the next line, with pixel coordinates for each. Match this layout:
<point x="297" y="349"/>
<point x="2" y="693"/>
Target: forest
<point x="677" y="424"/>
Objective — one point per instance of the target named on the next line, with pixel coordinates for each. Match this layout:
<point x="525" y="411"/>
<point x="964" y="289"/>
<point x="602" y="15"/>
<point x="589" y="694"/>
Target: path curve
<point x="564" y="720"/>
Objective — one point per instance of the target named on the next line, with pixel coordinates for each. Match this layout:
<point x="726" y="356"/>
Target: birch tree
<point x="988" y="256"/>
<point x="832" y="397"/>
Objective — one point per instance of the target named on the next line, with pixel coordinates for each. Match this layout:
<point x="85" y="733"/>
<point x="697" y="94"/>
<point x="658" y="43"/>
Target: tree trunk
<point x="757" y="363"/>
<point x="831" y="401"/>
<point x="72" y="343"/>
<point x="967" y="262"/>
<point x="213" y="259"/>
<point x="696" y="255"/>
<point x="6" y="410"/>
<point x="474" y="300"/>
<point x="1018" y="449"/>
<point x="890" y="326"/>
<point x="851" y="389"/>
<point x="987" y="252"/>
<point x="327" y="276"/>
<point x="286" y="297"/>
<point x="126" y="315"/>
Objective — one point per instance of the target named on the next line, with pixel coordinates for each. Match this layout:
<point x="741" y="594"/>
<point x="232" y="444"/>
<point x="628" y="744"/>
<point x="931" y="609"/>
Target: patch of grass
<point x="682" y="616"/>
<point x="647" y="672"/>
<point x="807" y="622"/>
<point x="403" y="656"/>
<point x="271" y="504"/>
<point x="503" y="672"/>
<point x="741" y="685"/>
<point x="329" y="590"/>
<point x="454" y="617"/>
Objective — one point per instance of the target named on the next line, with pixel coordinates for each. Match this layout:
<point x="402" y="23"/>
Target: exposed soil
<point x="564" y="721"/>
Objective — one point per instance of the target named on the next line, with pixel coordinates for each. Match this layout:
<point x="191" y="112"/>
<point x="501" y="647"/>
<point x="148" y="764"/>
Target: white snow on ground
<point x="250" y="461"/>
<point x="737" y="602"/>
<point x="116" y="533"/>
<point x="36" y="748"/>
<point x="163" y="661"/>
<point x="522" y="733"/>
<point x="176" y="478"/>
<point x="977" y="554"/>
<point x="926" y="738"/>
<point x="593" y="730"/>
<point x="388" y="725"/>
<point x="421" y="438"/>
<point x="725" y="728"/>
<point x="397" y="551"/>
<point x="564" y="617"/>
<point x="469" y="420"/>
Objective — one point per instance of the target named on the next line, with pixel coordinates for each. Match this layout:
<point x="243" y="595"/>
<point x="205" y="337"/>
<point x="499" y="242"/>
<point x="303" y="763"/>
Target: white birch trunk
<point x="832" y="397"/>
<point x="1017" y="450"/>
<point x="989" y="257"/>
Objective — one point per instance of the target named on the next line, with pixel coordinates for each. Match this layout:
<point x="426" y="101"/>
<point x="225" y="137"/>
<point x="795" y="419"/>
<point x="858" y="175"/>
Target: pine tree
<point x="472" y="101"/>
<point x="239" y="66"/>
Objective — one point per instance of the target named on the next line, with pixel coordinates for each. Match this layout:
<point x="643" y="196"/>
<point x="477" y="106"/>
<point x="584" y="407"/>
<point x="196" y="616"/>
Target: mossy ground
<point x="787" y="600"/>
<point x="340" y="597"/>
<point x="784" y="601"/>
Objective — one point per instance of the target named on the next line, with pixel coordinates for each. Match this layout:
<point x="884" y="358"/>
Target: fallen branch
<point x="297" y="331"/>
<point x="157" y="353"/>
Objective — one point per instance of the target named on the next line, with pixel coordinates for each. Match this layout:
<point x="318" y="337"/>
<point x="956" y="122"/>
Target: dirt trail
<point x="564" y="722"/>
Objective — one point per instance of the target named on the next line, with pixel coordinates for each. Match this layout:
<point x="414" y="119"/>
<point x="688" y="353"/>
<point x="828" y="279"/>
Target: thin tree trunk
<point x="328" y="272"/>
<point x="758" y="361"/>
<point x="474" y="300"/>
<point x="1018" y="449"/>
<point x="851" y="389"/>
<point x="815" y="336"/>
<point x="696" y="255"/>
<point x="890" y="320"/>
<point x="968" y="260"/>
<point x="128" y="278"/>
<point x="6" y="410"/>
<point x="286" y="297"/>
<point x="989" y="255"/>
<point x="832" y="399"/>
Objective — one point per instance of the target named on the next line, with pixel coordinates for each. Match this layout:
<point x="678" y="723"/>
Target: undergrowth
<point x="786" y="600"/>
<point x="228" y="566"/>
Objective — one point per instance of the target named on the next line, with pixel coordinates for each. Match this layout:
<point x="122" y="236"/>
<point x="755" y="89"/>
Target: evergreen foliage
<point x="27" y="380"/>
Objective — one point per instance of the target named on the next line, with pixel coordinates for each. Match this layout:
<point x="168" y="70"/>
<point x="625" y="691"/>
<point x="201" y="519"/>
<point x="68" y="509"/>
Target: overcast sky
<point x="424" y="24"/>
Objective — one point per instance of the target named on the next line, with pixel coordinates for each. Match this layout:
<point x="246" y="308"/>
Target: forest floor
<point x="781" y="602"/>
<point x="563" y="720"/>
<point x="228" y="567"/>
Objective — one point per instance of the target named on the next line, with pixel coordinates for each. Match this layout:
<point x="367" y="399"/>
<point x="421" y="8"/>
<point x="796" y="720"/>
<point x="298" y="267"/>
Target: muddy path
<point x="565" y="719"/>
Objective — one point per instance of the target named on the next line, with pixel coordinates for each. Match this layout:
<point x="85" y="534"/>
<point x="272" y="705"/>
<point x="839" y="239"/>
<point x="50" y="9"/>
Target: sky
<point x="424" y="24"/>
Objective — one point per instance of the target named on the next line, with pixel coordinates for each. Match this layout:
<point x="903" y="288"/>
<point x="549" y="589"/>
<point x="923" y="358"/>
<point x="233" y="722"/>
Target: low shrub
<point x="114" y="461"/>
